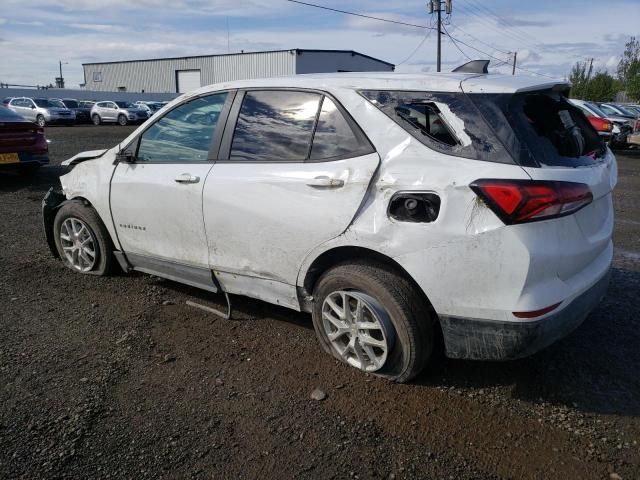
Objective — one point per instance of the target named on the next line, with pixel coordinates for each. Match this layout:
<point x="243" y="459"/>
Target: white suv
<point x="394" y="208"/>
<point x="121" y="112"/>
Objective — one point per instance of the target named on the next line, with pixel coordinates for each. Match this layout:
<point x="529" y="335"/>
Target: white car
<point x="330" y="194"/>
<point x="121" y="112"/>
<point x="43" y="111"/>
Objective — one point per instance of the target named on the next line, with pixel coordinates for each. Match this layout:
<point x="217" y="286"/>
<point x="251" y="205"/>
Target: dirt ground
<point x="117" y="378"/>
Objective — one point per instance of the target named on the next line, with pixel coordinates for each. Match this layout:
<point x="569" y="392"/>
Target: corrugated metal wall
<point x="160" y="75"/>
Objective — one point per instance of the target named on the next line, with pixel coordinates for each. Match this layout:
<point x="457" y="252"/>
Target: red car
<point x="23" y="146"/>
<point x="603" y="126"/>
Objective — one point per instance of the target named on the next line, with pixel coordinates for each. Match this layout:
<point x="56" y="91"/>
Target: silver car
<point x="43" y="111"/>
<point x="122" y="113"/>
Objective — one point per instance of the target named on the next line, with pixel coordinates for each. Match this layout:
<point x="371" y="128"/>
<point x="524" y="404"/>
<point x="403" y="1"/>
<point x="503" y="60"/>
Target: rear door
<point x="293" y="171"/>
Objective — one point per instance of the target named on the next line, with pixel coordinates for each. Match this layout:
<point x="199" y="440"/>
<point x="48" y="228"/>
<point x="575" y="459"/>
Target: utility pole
<point x="515" y="60"/>
<point x="436" y="6"/>
<point x="60" y="79"/>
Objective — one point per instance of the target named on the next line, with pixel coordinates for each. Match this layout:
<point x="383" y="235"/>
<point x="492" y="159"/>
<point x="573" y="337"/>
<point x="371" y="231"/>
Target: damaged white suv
<point x="397" y="209"/>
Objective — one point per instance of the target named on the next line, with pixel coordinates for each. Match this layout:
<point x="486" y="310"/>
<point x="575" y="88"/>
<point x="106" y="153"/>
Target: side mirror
<point x="125" y="156"/>
<point x="33" y="107"/>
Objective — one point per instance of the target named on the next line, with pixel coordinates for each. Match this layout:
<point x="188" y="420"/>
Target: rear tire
<point x="122" y="120"/>
<point x="82" y="240"/>
<point x="96" y="119"/>
<point x="41" y="121"/>
<point x="390" y="300"/>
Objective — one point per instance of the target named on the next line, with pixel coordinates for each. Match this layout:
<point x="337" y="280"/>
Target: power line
<point x="416" y="49"/>
<point x="484" y="18"/>
<point x="415" y="26"/>
<point x="361" y="15"/>
<point x="455" y="44"/>
<point x="505" y="22"/>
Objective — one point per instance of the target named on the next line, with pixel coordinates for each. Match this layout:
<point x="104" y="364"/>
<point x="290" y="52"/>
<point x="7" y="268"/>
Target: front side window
<point x="275" y="126"/>
<point x="183" y="134"/>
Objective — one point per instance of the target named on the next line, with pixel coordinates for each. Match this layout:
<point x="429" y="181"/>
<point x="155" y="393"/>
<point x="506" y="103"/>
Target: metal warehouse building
<point x="171" y="75"/>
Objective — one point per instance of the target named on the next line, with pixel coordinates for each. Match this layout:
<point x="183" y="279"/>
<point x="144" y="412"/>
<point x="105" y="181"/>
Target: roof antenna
<point x="474" y="66"/>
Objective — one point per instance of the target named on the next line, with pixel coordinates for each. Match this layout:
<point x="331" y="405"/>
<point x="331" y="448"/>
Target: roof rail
<point x="474" y="66"/>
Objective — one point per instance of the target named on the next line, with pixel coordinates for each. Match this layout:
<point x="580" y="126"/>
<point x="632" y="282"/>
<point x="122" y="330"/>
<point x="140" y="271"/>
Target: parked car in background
<point x="23" y="145"/>
<point x="397" y="209"/>
<point x="42" y="111"/>
<point x="149" y="107"/>
<point x="81" y="109"/>
<point x="617" y="110"/>
<point x="122" y="113"/>
<point x="622" y="127"/>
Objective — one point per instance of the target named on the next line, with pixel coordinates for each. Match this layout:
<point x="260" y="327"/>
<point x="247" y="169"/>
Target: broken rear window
<point x="541" y="128"/>
<point x="446" y="122"/>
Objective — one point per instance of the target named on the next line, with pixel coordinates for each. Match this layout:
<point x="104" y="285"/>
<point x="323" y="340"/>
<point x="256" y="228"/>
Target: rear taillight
<point x="520" y="201"/>
<point x="600" y="124"/>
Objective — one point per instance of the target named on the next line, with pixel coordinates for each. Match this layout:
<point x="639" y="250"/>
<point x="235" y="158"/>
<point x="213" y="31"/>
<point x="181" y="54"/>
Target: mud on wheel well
<point x="342" y="254"/>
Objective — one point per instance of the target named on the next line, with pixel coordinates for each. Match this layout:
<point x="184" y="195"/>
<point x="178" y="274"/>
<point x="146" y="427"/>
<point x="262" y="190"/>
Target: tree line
<point x="601" y="86"/>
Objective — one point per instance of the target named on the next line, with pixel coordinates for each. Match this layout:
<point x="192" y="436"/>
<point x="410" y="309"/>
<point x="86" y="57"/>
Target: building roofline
<point x="298" y="51"/>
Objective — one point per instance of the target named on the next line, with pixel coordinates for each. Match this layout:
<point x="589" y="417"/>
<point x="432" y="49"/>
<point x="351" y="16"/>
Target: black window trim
<point x="365" y="145"/>
<point x="216" y="139"/>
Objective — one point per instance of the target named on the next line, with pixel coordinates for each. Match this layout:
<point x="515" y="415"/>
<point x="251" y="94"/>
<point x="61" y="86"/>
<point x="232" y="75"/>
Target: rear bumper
<point x="26" y="159"/>
<point x="499" y="340"/>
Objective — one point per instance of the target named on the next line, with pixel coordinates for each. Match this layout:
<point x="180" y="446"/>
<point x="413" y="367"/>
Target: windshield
<point x="48" y="103"/>
<point x="125" y="105"/>
<point x="71" y="103"/>
<point x="541" y="128"/>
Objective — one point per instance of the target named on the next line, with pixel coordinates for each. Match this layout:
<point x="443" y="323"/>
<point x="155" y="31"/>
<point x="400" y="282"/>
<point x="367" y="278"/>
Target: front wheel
<point x="96" y="119"/>
<point x="40" y="120"/>
<point x="82" y="240"/>
<point x="122" y="120"/>
<point x="371" y="318"/>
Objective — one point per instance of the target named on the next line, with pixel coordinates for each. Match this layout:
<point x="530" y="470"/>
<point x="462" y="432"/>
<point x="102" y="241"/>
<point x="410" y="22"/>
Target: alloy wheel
<point x="78" y="244"/>
<point x="358" y="329"/>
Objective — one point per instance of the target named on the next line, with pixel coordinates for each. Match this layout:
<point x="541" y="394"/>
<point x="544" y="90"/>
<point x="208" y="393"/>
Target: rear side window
<point x="541" y="128"/>
<point x="294" y="126"/>
<point x="447" y="122"/>
<point x="275" y="126"/>
<point x="334" y="137"/>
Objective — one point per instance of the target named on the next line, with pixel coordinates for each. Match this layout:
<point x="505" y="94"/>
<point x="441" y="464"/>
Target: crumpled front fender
<point x="51" y="202"/>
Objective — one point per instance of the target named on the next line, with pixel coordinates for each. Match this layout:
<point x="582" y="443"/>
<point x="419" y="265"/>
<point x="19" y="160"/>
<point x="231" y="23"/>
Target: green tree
<point x="579" y="78"/>
<point x="629" y="68"/>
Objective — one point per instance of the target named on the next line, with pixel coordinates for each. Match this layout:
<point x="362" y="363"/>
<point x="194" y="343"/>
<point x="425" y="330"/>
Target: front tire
<point x="40" y="120"/>
<point x="82" y="240"/>
<point x="96" y="120"/>
<point x="122" y="120"/>
<point x="368" y="316"/>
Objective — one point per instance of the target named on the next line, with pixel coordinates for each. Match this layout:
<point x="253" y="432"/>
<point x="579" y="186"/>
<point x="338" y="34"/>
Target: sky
<point x="549" y="36"/>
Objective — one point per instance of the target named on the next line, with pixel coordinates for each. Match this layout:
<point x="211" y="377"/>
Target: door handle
<point x="187" y="178"/>
<point x="325" y="182"/>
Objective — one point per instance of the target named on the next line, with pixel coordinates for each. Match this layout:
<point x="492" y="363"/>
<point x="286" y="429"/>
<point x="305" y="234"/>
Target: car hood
<point x="84" y="156"/>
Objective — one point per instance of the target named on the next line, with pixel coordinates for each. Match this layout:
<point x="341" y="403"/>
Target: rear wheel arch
<point x="339" y="255"/>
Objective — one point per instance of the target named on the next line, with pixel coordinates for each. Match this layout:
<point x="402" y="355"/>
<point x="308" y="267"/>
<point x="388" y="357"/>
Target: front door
<point x="156" y="200"/>
<point x="293" y="174"/>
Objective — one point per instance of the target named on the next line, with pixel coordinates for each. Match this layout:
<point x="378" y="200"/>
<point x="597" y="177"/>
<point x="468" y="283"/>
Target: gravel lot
<point x="117" y="378"/>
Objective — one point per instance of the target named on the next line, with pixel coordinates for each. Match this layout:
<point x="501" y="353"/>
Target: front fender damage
<point x="51" y="202"/>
